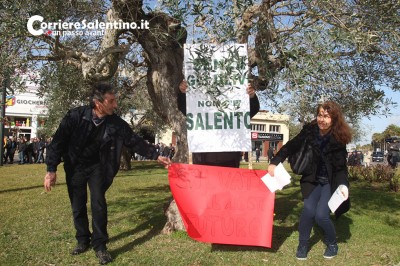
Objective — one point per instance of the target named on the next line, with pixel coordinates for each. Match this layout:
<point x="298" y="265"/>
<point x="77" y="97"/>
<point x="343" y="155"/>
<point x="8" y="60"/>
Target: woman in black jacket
<point x="327" y="135"/>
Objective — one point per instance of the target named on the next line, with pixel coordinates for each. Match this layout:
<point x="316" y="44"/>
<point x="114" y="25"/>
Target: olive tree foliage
<point x="304" y="52"/>
<point x="21" y="55"/>
<point x="300" y="52"/>
<point x="69" y="65"/>
<point x="63" y="88"/>
<point x="128" y="57"/>
<point x="13" y="54"/>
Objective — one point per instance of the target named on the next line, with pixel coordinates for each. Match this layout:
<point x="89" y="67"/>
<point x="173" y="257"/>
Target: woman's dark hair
<point x="340" y="129"/>
<point x="99" y="90"/>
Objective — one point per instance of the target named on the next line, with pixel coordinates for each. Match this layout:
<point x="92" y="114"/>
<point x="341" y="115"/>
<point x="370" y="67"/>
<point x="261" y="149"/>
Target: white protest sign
<point x="217" y="105"/>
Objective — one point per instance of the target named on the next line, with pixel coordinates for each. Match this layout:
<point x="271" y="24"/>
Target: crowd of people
<point x="28" y="151"/>
<point x="166" y="151"/>
<point x="162" y="150"/>
<point x="355" y="158"/>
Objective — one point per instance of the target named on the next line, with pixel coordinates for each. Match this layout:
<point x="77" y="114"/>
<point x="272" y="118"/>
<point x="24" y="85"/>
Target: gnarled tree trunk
<point x="163" y="46"/>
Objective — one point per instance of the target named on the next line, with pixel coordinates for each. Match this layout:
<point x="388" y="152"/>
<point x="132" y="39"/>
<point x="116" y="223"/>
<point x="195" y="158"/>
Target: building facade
<point x="269" y="130"/>
<point x="25" y="112"/>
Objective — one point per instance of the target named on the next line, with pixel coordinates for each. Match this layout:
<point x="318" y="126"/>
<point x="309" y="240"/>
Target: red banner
<point x="223" y="205"/>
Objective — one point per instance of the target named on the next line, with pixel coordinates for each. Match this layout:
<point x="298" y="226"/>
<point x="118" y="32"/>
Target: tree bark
<point x="174" y="220"/>
<point x="163" y="46"/>
<point x="126" y="159"/>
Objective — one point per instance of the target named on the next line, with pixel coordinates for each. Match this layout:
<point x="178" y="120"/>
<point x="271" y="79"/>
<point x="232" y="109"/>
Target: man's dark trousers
<point x="77" y="181"/>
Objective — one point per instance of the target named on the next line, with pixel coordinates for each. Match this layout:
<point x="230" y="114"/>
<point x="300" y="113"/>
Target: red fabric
<point x="223" y="205"/>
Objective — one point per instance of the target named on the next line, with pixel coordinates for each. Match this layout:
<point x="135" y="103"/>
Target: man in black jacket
<point x="90" y="140"/>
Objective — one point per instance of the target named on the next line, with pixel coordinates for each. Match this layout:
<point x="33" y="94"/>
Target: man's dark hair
<point x="99" y="90"/>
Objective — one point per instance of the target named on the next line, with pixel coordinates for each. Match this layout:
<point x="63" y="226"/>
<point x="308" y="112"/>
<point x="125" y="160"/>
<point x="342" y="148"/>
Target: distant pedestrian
<point x="41" y="145"/>
<point x="270" y="153"/>
<point x="258" y="154"/>
<point x="21" y="150"/>
<point x="367" y="159"/>
<point x="11" y="148"/>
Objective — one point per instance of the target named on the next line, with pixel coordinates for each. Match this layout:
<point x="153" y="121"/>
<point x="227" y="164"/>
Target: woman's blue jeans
<point x="316" y="209"/>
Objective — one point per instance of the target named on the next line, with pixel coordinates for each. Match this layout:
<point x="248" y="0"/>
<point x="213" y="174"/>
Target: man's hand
<point x="183" y="86"/>
<point x="164" y="161"/>
<point x="251" y="91"/>
<point x="50" y="180"/>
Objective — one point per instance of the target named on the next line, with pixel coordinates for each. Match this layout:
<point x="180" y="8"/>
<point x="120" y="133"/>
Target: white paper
<point x="280" y="179"/>
<point x="338" y="197"/>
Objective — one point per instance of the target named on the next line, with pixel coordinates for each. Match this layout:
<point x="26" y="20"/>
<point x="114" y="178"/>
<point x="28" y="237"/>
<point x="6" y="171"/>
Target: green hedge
<point x="378" y="173"/>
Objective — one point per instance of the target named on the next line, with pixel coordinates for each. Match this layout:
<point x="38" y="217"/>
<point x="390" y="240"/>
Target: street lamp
<point x="3" y="116"/>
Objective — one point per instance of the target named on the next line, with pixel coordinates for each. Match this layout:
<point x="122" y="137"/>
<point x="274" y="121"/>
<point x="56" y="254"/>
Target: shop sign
<point x="266" y="136"/>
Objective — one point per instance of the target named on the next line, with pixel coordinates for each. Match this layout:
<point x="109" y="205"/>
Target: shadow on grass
<point x="342" y="227"/>
<point x="156" y="227"/>
<point x="19" y="189"/>
<point x="367" y="199"/>
<point x="27" y="188"/>
<point x="143" y="165"/>
<point x="150" y="207"/>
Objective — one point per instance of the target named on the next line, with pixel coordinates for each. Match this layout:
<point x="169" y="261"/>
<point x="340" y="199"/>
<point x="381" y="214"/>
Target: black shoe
<point x="80" y="248"/>
<point x="104" y="257"/>
<point x="331" y="251"/>
<point x="301" y="253"/>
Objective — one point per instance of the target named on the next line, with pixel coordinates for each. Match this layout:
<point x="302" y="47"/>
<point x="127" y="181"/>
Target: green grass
<point x="36" y="227"/>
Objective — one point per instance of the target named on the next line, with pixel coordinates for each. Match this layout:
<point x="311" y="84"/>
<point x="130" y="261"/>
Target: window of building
<point x="275" y="128"/>
<point x="274" y="145"/>
<point x="258" y="127"/>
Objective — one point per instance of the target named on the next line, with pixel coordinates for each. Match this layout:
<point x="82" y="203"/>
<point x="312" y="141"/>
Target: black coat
<point x="334" y="155"/>
<point x="73" y="133"/>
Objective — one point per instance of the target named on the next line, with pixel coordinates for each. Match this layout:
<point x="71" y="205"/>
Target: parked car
<point x="377" y="156"/>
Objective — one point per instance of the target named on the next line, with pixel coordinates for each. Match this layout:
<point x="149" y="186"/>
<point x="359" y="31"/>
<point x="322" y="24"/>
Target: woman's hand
<point x="271" y="169"/>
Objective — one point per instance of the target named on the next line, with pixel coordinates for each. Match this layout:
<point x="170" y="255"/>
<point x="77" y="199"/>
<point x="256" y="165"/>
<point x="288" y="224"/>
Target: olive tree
<point x="300" y="52"/>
